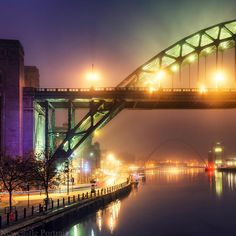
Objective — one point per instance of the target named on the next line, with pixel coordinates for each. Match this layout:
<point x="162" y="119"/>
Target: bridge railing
<point x="137" y="89"/>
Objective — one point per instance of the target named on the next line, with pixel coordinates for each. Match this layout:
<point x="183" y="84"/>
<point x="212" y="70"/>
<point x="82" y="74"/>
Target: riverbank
<point x="36" y="197"/>
<point x="75" y="208"/>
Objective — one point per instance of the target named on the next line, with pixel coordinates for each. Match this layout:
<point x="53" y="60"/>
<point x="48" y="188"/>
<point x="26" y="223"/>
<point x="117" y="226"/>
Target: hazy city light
<point x="191" y="58"/>
<point x="151" y="90"/>
<point x="160" y="75"/>
<point x="203" y="89"/>
<point x="175" y="68"/>
<point x="219" y="78"/>
<point x="93" y="76"/>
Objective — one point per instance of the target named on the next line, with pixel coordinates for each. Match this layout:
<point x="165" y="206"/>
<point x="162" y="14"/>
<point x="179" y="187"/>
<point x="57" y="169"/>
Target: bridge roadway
<point x="137" y="98"/>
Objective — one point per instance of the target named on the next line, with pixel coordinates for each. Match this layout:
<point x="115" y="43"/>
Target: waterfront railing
<point x="20" y="214"/>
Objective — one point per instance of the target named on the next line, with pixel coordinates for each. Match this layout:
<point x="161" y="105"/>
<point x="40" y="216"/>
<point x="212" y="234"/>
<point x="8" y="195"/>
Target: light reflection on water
<point x="173" y="174"/>
<point x="221" y="182"/>
<point x="206" y="188"/>
<point x="109" y="217"/>
<point x="106" y="219"/>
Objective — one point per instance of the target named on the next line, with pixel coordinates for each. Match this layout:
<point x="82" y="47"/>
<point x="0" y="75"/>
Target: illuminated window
<point x="218" y="149"/>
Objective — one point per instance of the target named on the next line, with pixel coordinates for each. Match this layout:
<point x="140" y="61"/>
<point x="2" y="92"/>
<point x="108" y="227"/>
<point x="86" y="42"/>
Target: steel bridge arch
<point x="202" y="43"/>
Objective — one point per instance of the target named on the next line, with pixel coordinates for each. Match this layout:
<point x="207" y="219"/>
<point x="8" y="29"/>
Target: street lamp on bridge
<point x="219" y="77"/>
<point x="202" y="89"/>
<point x="160" y="75"/>
<point x="92" y="76"/>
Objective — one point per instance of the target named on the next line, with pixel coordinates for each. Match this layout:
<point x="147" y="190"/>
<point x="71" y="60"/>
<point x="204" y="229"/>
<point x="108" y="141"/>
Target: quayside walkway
<point x="72" y="206"/>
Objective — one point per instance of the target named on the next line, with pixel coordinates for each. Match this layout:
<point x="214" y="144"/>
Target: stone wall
<point x="31" y="76"/>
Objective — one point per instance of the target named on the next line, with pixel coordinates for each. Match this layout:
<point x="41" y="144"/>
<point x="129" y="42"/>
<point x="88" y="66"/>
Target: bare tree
<point x="13" y="174"/>
<point x="43" y="171"/>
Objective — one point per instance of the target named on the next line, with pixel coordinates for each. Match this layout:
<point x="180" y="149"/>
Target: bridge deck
<point x="138" y="98"/>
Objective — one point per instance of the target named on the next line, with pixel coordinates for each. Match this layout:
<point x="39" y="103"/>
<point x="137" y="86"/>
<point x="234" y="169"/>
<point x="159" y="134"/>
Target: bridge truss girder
<point x="99" y="114"/>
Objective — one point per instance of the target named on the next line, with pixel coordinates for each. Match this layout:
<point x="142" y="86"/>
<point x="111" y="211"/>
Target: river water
<point x="171" y="202"/>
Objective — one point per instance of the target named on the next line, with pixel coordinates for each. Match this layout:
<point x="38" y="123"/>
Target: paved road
<point x="21" y="200"/>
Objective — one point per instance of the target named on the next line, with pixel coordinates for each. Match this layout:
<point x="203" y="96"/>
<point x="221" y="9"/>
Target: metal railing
<point x="138" y="89"/>
<point x="19" y="214"/>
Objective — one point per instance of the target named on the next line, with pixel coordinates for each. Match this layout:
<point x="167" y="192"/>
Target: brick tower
<point x="11" y="86"/>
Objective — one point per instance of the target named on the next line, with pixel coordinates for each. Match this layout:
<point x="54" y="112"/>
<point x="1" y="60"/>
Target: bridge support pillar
<point x="49" y="128"/>
<point x="28" y="119"/>
<point x="39" y="131"/>
<point x="46" y="107"/>
<point x="71" y="119"/>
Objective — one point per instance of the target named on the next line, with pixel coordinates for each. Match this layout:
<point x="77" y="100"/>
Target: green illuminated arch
<point x="201" y="43"/>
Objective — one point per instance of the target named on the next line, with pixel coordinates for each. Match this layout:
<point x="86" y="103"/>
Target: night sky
<point x="64" y="37"/>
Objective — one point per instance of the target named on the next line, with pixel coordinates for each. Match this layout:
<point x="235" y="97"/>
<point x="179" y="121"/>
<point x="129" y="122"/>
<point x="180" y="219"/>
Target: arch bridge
<point x="197" y="72"/>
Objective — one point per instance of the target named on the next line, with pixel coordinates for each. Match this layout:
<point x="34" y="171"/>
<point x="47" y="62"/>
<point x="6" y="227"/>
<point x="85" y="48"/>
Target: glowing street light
<point x="86" y="167"/>
<point x="92" y="76"/>
<point x="202" y="89"/>
<point x="207" y="50"/>
<point x="191" y="58"/>
<point x="219" y="78"/>
<point x="174" y="68"/>
<point x="159" y="77"/>
<point x="111" y="157"/>
<point x="151" y="89"/>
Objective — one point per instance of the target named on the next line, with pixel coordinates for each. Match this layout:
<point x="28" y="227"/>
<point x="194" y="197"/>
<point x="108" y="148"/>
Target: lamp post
<point x="67" y="176"/>
<point x="28" y="193"/>
<point x="72" y="183"/>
